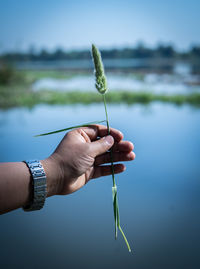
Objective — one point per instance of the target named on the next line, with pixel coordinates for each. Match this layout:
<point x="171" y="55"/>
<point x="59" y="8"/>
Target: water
<point x="159" y="194"/>
<point x="161" y="64"/>
<point x="154" y="83"/>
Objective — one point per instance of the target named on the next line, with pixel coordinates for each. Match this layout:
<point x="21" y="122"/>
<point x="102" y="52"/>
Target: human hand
<point x="80" y="155"/>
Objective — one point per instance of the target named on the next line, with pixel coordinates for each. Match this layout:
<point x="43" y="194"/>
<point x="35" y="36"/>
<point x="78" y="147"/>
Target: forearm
<point x="15" y="186"/>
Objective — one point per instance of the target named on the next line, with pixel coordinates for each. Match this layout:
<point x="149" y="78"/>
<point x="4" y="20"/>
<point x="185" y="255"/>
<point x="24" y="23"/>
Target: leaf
<point x="115" y="208"/>
<point x="125" y="239"/>
<point x="72" y="127"/>
<point x="118" y="218"/>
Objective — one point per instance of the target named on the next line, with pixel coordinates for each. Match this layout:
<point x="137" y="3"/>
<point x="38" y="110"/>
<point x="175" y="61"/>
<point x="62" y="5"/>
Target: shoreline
<point x="25" y="97"/>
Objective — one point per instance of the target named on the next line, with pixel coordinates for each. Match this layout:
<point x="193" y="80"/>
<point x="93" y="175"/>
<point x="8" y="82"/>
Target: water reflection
<point x="159" y="193"/>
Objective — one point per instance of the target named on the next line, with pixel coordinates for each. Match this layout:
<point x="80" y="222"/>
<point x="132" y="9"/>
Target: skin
<point x="77" y="159"/>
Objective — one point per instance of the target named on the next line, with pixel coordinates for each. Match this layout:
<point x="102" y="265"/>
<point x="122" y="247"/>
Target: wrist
<point x="38" y="185"/>
<point x="54" y="176"/>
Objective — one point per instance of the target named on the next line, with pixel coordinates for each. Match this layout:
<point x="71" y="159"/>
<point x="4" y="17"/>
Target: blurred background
<point x="151" y="53"/>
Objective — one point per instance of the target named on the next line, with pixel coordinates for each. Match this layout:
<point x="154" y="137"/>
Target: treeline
<point x="141" y="52"/>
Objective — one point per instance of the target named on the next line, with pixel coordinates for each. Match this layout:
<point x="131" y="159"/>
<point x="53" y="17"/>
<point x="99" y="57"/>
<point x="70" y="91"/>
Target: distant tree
<point x="165" y="51"/>
<point x="141" y="51"/>
<point x="32" y="53"/>
<point x="59" y="54"/>
<point x="195" y="52"/>
<point x="44" y="55"/>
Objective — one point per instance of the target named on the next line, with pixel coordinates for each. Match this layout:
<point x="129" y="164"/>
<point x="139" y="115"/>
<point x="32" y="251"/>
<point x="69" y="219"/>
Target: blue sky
<point x="75" y="24"/>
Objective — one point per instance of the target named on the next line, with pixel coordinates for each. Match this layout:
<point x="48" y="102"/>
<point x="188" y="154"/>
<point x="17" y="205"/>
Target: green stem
<point x="114" y="189"/>
<point x="115" y="204"/>
<point x="111" y="153"/>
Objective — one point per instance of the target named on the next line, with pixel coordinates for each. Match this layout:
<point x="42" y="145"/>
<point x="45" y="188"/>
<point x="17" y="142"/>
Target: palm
<point x="83" y="154"/>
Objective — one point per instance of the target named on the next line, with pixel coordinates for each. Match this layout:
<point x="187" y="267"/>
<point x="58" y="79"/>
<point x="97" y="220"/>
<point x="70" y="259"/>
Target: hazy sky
<point x="75" y="24"/>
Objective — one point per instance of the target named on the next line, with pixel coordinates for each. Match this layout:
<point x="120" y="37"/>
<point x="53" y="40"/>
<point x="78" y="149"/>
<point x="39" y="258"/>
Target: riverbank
<point x="20" y="93"/>
<point x="23" y="96"/>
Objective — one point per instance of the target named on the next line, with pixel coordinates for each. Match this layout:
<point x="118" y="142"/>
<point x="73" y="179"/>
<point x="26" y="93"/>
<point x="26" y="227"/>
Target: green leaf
<point x="125" y="239"/>
<point x="118" y="218"/>
<point x="115" y="208"/>
<point x="70" y="128"/>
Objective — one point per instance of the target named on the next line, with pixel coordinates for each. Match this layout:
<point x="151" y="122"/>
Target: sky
<point x="76" y="24"/>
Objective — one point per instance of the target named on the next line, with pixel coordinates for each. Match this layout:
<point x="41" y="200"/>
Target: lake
<point x="167" y="84"/>
<point x="159" y="193"/>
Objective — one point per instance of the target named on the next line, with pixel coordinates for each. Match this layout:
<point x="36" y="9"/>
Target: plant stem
<point x="111" y="154"/>
<point x="114" y="188"/>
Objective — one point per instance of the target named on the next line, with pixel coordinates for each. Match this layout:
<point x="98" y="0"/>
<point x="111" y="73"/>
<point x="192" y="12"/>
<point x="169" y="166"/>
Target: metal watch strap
<point x="39" y="185"/>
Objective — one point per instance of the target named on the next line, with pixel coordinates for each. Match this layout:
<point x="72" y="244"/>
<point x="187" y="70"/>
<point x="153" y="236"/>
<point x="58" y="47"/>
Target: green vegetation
<point x="11" y="76"/>
<point x="8" y="75"/>
<point x="16" y="90"/>
<point x="101" y="86"/>
<point x="31" y="76"/>
<point x="23" y="96"/>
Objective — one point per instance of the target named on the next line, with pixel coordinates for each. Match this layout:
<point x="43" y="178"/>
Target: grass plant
<point x="101" y="86"/>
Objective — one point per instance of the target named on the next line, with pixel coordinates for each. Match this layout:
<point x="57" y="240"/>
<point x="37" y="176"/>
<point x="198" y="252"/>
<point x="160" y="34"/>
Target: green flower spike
<point x="101" y="82"/>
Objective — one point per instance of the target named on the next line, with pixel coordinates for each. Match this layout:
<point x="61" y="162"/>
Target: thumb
<point x="101" y="146"/>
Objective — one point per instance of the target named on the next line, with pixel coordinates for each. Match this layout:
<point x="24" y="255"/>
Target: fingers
<point x="122" y="151"/>
<point x="100" y="146"/>
<point x="117" y="157"/>
<point x="95" y="131"/>
<point x="125" y="146"/>
<point x="106" y="170"/>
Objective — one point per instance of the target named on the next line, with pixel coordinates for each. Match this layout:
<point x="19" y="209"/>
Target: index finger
<point x="99" y="130"/>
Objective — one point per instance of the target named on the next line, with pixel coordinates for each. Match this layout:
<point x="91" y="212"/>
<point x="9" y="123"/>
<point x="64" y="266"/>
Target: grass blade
<point x="115" y="209"/>
<point x="125" y="239"/>
<point x="70" y="128"/>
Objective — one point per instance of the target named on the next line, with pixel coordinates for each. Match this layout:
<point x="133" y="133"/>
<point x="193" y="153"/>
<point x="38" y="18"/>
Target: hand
<point x="80" y="155"/>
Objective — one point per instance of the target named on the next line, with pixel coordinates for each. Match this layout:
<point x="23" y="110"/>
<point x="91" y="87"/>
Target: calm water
<point x="154" y="83"/>
<point x="159" y="193"/>
<point x="109" y="63"/>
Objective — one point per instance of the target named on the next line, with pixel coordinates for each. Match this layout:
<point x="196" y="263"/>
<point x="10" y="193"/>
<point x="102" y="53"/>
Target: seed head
<point x="101" y="82"/>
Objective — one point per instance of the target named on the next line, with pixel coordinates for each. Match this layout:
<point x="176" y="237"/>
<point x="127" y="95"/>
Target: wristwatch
<point x="39" y="185"/>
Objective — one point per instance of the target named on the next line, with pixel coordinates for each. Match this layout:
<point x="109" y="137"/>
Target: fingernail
<point x="109" y="139"/>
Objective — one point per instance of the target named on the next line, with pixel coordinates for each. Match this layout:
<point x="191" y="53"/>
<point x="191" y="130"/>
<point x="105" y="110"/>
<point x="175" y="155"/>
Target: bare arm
<point x="14" y="185"/>
<point x="77" y="159"/>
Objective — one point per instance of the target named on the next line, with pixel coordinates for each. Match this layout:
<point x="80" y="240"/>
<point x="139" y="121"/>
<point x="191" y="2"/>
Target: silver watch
<point x="39" y="185"/>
